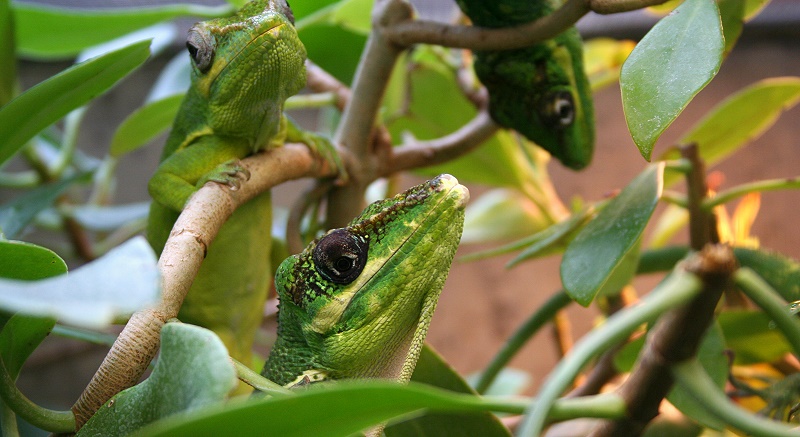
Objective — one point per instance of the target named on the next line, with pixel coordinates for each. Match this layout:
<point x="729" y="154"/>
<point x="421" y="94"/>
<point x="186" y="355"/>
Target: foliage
<point x="601" y="240"/>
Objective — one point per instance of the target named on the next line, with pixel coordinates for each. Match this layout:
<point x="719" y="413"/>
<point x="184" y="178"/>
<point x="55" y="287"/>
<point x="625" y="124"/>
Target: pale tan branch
<point x="319" y="80"/>
<point x="412" y="32"/>
<point x="204" y="214"/>
<point x="425" y="153"/>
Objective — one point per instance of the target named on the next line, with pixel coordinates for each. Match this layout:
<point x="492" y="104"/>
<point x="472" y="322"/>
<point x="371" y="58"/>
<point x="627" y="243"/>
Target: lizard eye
<point x="201" y="48"/>
<point x="340" y="256"/>
<point x="560" y="110"/>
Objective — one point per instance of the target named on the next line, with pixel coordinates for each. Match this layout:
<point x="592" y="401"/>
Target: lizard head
<point x="363" y="295"/>
<point x="245" y="66"/>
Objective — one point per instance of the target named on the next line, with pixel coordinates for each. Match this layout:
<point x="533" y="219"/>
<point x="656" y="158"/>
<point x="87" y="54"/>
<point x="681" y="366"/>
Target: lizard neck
<point x="291" y="355"/>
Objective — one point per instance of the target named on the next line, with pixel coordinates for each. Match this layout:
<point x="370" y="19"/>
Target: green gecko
<point x="540" y="91"/>
<point x="244" y="68"/>
<point x="357" y="302"/>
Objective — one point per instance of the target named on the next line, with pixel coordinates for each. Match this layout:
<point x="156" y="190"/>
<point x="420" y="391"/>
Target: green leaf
<point x="144" y="124"/>
<point x="47" y="102"/>
<point x="501" y="214"/>
<point x="553" y="238"/>
<point x="600" y="248"/>
<point x="711" y="356"/>
<point x="753" y="8"/>
<point x="106" y="290"/>
<point x="336" y="410"/>
<point x="47" y="32"/>
<point x="731" y="13"/>
<point x="8" y="69"/>
<point x="27" y="262"/>
<point x="781" y="272"/>
<point x="21" y="335"/>
<point x="334" y="48"/>
<point x="355" y="15"/>
<point x="749" y="335"/>
<point x="18" y="213"/>
<point x="668" y="67"/>
<point x="740" y="119"/>
<point x="603" y="59"/>
<point x="433" y="370"/>
<point x="193" y="371"/>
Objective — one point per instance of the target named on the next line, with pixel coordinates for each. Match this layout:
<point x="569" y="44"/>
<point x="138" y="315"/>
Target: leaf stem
<point x="258" y="382"/>
<point x="741" y="190"/>
<point x="694" y="379"/>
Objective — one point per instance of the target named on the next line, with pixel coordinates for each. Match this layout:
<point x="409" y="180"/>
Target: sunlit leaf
<point x="753" y="8"/>
<point x="47" y="102"/>
<point x="600" y="248"/>
<point x="670" y="65"/>
<point x="106" y="290"/>
<point x="193" y="371"/>
<point x="144" y="124"/>
<point x="501" y="214"/>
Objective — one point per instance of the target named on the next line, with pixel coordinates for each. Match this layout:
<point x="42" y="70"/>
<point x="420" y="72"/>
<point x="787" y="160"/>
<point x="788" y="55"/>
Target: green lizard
<point x="244" y="68"/>
<point x="541" y="91"/>
<point x="357" y="302"/>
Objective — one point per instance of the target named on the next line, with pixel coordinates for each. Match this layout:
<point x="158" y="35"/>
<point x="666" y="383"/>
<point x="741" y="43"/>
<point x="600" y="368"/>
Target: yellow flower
<point x="736" y="231"/>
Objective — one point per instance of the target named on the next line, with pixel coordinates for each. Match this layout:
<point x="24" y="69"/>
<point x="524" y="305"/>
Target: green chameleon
<point x="244" y="68"/>
<point x="357" y="302"/>
<point x="540" y="91"/>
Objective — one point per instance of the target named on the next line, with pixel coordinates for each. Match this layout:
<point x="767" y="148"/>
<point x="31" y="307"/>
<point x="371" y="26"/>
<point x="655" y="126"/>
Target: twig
<point x="319" y="80"/>
<point x="193" y="232"/>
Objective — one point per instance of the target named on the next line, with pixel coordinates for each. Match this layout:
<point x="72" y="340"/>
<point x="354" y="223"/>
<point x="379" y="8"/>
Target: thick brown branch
<point x="476" y="38"/>
<point x="204" y="214"/>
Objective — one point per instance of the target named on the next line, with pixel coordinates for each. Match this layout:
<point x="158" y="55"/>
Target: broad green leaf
<point x="711" y="355"/>
<point x="501" y="214"/>
<point x="668" y="67"/>
<point x="193" y="371"/>
<point x="47" y="102"/>
<point x="145" y="124"/>
<point x="334" y="48"/>
<point x="302" y="10"/>
<point x="104" y="291"/>
<point x="26" y="262"/>
<point x="8" y="68"/>
<point x="109" y="218"/>
<point x="433" y="370"/>
<point x="781" y="272"/>
<point x="600" y="248"/>
<point x="740" y="119"/>
<point x="751" y="338"/>
<point x="338" y="410"/>
<point x="18" y="213"/>
<point x="56" y="33"/>
<point x="21" y="335"/>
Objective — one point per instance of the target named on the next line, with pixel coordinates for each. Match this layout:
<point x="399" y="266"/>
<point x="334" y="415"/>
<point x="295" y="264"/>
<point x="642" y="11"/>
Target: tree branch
<point x="204" y="214"/>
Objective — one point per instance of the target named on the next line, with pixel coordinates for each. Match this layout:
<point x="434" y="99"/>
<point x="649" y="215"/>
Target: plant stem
<point x="694" y="379"/>
<point x="253" y="379"/>
<point x="741" y="190"/>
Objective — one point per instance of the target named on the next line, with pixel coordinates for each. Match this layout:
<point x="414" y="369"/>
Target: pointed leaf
<point x="601" y="247"/>
<point x="750" y="336"/>
<point x="47" y="102"/>
<point x="18" y="213"/>
<point x="108" y="289"/>
<point x="144" y="124"/>
<point x="28" y="262"/>
<point x="668" y="67"/>
<point x="193" y="371"/>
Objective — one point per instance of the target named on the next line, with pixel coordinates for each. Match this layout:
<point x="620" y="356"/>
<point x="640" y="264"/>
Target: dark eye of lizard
<point x="559" y="111"/>
<point x="340" y="256"/>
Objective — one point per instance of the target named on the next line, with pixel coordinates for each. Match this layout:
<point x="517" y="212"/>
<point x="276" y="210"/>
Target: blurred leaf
<point x="355" y="15"/>
<point x="8" y="68"/>
<point x="554" y="237"/>
<point x="731" y="13"/>
<point x="161" y="36"/>
<point x="670" y="65"/>
<point x="781" y="272"/>
<point x="603" y="58"/>
<point x="21" y="335"/>
<point x="711" y="356"/>
<point x="665" y="7"/>
<point x="174" y="78"/>
<point x="433" y="370"/>
<point x="509" y="382"/>
<point x="335" y="49"/>
<point x="302" y="10"/>
<point x="625" y="359"/>
<point x="48" y="32"/>
<point x="193" y="371"/>
<point x="749" y="336"/>
<point x="25" y="261"/>
<point x="739" y="119"/>
<point x="95" y="295"/>
<point x="18" y="213"/>
<point x="673" y="219"/>
<point x="47" y="102"/>
<point x="336" y="410"/>
<point x="109" y="218"/>
<point x="599" y="249"/>
<point x="501" y="214"/>
<point x="753" y="8"/>
<point x="144" y="124"/>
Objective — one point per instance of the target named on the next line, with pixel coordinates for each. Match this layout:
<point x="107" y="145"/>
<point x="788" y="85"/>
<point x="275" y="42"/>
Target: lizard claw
<point x="230" y="173"/>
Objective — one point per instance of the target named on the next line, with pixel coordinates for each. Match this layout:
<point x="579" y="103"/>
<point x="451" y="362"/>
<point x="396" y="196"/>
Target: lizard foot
<point x="230" y="173"/>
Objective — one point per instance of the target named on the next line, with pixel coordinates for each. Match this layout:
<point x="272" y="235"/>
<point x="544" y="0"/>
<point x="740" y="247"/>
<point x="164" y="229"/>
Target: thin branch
<point x="319" y="80"/>
<point x="477" y="38"/>
<point x="204" y="214"/>
<point x="744" y="189"/>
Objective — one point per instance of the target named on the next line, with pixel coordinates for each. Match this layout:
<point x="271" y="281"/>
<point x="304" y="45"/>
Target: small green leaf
<point x="113" y="287"/>
<point x="18" y="213"/>
<point x="48" y="32"/>
<point x="668" y="67"/>
<point x="749" y="335"/>
<point x="779" y="271"/>
<point x="501" y="214"/>
<point x="47" y="102"/>
<point x="193" y="371"/>
<point x="28" y="262"/>
<point x="8" y="69"/>
<point x="21" y="335"/>
<point x="740" y="119"/>
<point x="144" y="124"/>
<point x="600" y="248"/>
<point x="553" y="238"/>
<point x="336" y="49"/>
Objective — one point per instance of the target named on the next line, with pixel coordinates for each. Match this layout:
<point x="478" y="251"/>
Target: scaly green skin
<point x="541" y="91"/>
<point x="368" y="322"/>
<point x="244" y="68"/>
